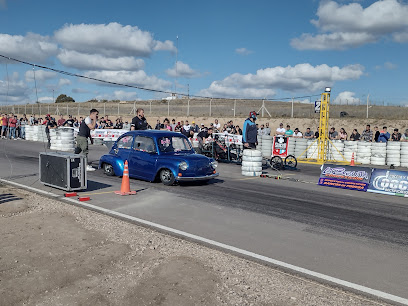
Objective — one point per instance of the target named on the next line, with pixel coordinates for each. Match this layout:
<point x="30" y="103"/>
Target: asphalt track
<point x="354" y="236"/>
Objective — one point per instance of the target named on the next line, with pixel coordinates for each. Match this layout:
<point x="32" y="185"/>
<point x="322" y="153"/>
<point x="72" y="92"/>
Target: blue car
<point x="154" y="155"/>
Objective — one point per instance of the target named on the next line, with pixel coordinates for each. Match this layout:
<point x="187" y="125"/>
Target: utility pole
<point x="175" y="81"/>
<point x="368" y="96"/>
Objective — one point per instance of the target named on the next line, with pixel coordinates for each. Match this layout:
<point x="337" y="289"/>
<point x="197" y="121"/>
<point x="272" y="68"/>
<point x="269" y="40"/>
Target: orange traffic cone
<point x="352" y="160"/>
<point x="125" y="188"/>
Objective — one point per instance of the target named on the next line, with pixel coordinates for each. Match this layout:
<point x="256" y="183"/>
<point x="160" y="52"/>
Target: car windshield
<point x="174" y="144"/>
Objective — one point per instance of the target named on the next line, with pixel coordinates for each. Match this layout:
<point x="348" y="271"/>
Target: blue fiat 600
<point x="152" y="155"/>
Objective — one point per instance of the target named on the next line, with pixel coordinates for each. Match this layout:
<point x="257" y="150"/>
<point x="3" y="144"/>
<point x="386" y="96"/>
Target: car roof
<point x="154" y="133"/>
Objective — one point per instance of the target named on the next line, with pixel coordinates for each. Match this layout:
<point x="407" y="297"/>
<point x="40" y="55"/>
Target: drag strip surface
<point x="354" y="236"/>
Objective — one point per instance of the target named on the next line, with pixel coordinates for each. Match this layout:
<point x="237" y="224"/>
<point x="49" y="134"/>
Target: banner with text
<point x="393" y="182"/>
<point x="346" y="177"/>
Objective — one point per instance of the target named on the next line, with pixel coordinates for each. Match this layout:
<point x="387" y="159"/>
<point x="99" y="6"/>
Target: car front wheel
<point x="167" y="177"/>
<point x="108" y="170"/>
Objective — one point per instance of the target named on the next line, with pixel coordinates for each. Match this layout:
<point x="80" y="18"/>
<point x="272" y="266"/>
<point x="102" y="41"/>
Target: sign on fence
<point x="317" y="106"/>
<point x="391" y="182"/>
<point x="346" y="177"/>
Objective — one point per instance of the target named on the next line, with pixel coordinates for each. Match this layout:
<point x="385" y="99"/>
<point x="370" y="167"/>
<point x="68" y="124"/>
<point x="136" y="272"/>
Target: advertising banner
<point x="391" y="182"/>
<point x="280" y="146"/>
<point x="346" y="177"/>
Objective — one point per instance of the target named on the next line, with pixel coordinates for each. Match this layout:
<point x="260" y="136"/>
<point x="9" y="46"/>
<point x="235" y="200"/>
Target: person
<point x="23" y="123"/>
<point x="238" y="130"/>
<point x="186" y="129"/>
<point x="84" y="133"/>
<point x="202" y="127"/>
<point x="158" y="125"/>
<point x="166" y="125"/>
<point x="308" y="134"/>
<point x="194" y="127"/>
<point x="343" y="134"/>
<point x="355" y="135"/>
<point x="404" y="136"/>
<point x="126" y="126"/>
<point x="384" y="135"/>
<point x="201" y="136"/>
<point x="224" y="129"/>
<point x="69" y="122"/>
<point x="61" y="121"/>
<point x="139" y="122"/>
<point x="367" y="134"/>
<point x="267" y="130"/>
<point x="280" y="130"/>
<point x="12" y="123"/>
<point x="4" y="125"/>
<point x="173" y="124"/>
<point x="261" y="130"/>
<point x="297" y="133"/>
<point x="108" y="122"/>
<point x="76" y="123"/>
<point x="249" y="133"/>
<point x="333" y="134"/>
<point x="32" y="119"/>
<point x="316" y="135"/>
<point x="216" y="125"/>
<point x="377" y="134"/>
<point x="288" y="131"/>
<point x="51" y="124"/>
<point x="396" y="136"/>
<point x="118" y="124"/>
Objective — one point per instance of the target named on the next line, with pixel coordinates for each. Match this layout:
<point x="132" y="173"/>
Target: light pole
<point x="175" y="81"/>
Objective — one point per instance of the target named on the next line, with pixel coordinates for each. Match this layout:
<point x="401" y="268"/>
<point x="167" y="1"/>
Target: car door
<point x="123" y="147"/>
<point x="143" y="158"/>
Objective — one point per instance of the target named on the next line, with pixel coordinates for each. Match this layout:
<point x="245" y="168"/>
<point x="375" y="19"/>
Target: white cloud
<point x="346" y="98"/>
<point x="40" y="75"/>
<point x="302" y="77"/>
<point x="387" y="66"/>
<point x="45" y="99"/>
<point x="183" y="70"/>
<point x="80" y="90"/>
<point x="351" y="25"/>
<point x="32" y="47"/>
<point x="84" y="61"/>
<point x="118" y="95"/>
<point x="167" y="45"/>
<point x="243" y="51"/>
<point x="135" y="78"/>
<point x="111" y="40"/>
<point x="64" y="82"/>
<point x="14" y="90"/>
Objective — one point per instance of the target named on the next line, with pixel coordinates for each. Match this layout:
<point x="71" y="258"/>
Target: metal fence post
<point x="40" y="108"/>
<point x="48" y="108"/>
<point x="104" y="113"/>
<point x="168" y="108"/>
<point x="25" y="109"/>
<point x="32" y="109"/>
<point x="292" y="108"/>
<point x="235" y="106"/>
<point x="18" y="109"/>
<point x="150" y="106"/>
<point x="188" y="107"/>
<point x="78" y="110"/>
<point x="118" y="108"/>
<point x="210" y="106"/>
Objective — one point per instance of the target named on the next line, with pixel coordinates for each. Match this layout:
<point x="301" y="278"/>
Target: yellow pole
<point x="323" y="143"/>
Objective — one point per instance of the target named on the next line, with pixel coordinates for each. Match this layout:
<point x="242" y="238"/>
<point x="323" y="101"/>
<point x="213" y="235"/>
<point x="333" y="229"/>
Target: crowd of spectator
<point x="13" y="127"/>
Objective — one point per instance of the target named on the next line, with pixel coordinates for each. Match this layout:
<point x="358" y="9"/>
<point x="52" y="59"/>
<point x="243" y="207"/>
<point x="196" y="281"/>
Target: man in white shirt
<point x="187" y="126"/>
<point x="297" y="134"/>
<point x="280" y="130"/>
<point x="216" y="124"/>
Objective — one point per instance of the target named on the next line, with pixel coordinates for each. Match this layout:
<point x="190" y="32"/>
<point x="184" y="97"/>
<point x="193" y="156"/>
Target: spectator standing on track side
<point x="69" y="122"/>
<point x="396" y="136"/>
<point x="288" y="131"/>
<point x="61" y="121"/>
<point x="216" y="125"/>
<point x="377" y="134"/>
<point x="238" y="130"/>
<point x="367" y="134"/>
<point x="173" y="124"/>
<point x="343" y="134"/>
<point x="249" y="133"/>
<point x="139" y="121"/>
<point x="267" y="130"/>
<point x="32" y="119"/>
<point x="384" y="135"/>
<point x="12" y="123"/>
<point x="126" y="126"/>
<point x="84" y="133"/>
<point x="280" y="130"/>
<point x="201" y="137"/>
<point x="333" y="134"/>
<point x="51" y="124"/>
<point x="4" y="124"/>
<point x="158" y="125"/>
<point x="23" y="123"/>
<point x="355" y="135"/>
<point x="261" y="130"/>
<point x="194" y="127"/>
<point x="316" y="134"/>
<point x="308" y="134"/>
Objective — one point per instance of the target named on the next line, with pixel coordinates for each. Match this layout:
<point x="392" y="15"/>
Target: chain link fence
<point x="222" y="108"/>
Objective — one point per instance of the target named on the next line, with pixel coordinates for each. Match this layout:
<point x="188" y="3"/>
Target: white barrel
<point x="393" y="153"/>
<point x="62" y="139"/>
<point x="251" y="163"/>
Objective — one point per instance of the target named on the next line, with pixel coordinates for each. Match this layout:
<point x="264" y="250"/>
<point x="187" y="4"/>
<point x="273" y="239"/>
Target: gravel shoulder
<point x="54" y="253"/>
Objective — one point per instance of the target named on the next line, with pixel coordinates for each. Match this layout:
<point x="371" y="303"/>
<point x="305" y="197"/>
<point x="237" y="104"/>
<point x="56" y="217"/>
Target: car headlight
<point x="183" y="166"/>
<point x="214" y="164"/>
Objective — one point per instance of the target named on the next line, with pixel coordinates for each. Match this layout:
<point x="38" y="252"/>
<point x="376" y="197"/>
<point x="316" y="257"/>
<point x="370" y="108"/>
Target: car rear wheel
<point x="108" y="170"/>
<point x="167" y="177"/>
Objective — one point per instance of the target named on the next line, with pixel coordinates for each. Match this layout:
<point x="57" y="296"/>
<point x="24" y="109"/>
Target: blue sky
<point x="234" y="49"/>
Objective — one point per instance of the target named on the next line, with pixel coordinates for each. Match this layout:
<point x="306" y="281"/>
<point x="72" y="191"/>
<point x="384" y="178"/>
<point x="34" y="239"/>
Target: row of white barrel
<point x="36" y="133"/>
<point x="62" y="139"/>
<point x="296" y="146"/>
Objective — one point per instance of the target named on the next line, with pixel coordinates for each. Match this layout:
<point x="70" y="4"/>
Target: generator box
<point x="61" y="170"/>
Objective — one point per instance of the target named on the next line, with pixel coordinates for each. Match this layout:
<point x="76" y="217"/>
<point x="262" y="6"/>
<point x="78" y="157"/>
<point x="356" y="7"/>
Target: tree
<point x="64" y="99"/>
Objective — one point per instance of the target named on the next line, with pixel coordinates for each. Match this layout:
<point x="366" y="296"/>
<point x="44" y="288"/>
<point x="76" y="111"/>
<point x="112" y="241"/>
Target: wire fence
<point x="223" y="108"/>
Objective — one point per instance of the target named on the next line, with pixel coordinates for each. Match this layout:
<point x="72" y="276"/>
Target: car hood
<point x="185" y="156"/>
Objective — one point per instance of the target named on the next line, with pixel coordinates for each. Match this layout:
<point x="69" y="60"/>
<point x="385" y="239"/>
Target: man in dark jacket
<point x="250" y="132"/>
<point x="139" y="121"/>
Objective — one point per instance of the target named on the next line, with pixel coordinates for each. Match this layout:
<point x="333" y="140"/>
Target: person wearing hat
<point x="194" y="127"/>
<point x="249" y="133"/>
<point x="280" y="130"/>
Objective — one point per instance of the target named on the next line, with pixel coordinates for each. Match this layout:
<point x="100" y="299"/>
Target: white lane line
<point x="277" y="263"/>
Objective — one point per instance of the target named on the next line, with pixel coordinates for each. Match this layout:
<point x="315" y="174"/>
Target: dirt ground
<point x="53" y="253"/>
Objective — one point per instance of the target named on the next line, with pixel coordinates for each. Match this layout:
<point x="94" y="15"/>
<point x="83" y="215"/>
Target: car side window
<point x="144" y="144"/>
<point x="125" y="142"/>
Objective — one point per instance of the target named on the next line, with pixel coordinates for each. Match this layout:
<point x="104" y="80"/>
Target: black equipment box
<point x="65" y="171"/>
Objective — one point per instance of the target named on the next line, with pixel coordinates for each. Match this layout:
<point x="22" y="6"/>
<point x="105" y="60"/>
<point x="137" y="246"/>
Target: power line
<point x="139" y="87"/>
